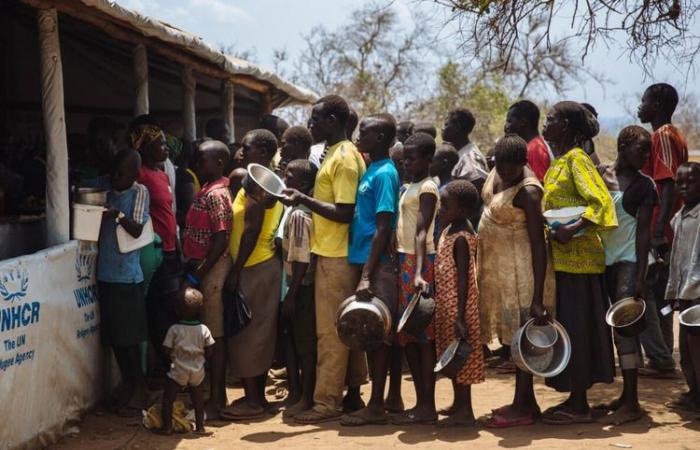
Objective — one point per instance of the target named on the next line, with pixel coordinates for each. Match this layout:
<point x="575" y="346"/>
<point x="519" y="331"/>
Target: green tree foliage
<point x="487" y="99"/>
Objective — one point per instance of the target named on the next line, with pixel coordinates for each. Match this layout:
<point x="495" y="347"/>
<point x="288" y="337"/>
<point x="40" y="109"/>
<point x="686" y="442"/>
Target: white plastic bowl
<point x="563" y="216"/>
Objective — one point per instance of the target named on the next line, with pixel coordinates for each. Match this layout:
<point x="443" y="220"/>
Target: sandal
<point x="312" y="417"/>
<point x="536" y="414"/>
<point x="411" y="418"/>
<point x="621" y="416"/>
<point x="456" y="421"/>
<point x="683" y="403"/>
<point x="243" y="411"/>
<point x="364" y="417"/>
<point x="566" y="417"/>
<point x="498" y="421"/>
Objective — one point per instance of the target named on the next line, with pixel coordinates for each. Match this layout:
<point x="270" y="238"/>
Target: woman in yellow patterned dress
<point x="515" y="280"/>
<point x="579" y="260"/>
<point x="457" y="296"/>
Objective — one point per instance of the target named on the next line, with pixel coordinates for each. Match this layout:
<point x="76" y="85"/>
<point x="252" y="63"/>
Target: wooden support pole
<point x="141" y="105"/>
<point x="54" y="118"/>
<point x="189" y="119"/>
<point x="227" y="107"/>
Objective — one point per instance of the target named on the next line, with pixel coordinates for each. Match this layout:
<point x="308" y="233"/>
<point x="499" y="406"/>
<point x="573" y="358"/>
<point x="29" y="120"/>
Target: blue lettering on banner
<point x="85" y="296"/>
<point x="19" y="316"/>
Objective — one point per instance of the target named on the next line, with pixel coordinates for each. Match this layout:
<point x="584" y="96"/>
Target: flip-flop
<point x="683" y="404"/>
<point x="243" y="411"/>
<point x="410" y="418"/>
<point x="620" y="417"/>
<point x="505" y="408"/>
<point x="360" y="418"/>
<point x="659" y="374"/>
<point x="313" y="417"/>
<point x="563" y="417"/>
<point x="498" y="421"/>
<point x="455" y="421"/>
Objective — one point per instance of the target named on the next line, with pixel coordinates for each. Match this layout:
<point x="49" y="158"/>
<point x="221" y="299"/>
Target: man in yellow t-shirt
<point x="333" y="206"/>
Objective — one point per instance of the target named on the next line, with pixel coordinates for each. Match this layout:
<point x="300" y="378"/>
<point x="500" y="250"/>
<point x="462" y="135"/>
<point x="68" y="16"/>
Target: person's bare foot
<point x="416" y="415"/>
<point x="297" y="408"/>
<point x="610" y="406"/>
<point x="394" y="404"/>
<point x="460" y="417"/>
<point x="352" y="402"/>
<point x="624" y="414"/>
<point x="365" y="416"/>
<point x="447" y="411"/>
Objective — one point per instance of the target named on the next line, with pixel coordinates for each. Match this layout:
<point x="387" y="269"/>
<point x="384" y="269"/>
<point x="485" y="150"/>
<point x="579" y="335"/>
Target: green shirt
<point x="572" y="180"/>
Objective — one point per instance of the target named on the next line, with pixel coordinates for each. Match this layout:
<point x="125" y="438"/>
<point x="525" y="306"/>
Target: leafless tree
<point x="531" y="65"/>
<point x="651" y="29"/>
<point x="370" y="61"/>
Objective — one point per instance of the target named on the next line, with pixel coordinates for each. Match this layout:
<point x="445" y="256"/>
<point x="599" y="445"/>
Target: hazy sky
<point x="265" y="25"/>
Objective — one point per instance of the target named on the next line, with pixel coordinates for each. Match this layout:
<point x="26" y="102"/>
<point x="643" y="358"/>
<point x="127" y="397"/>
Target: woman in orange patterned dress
<point x="456" y="296"/>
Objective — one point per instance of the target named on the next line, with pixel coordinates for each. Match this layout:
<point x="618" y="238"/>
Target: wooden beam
<point x="251" y="83"/>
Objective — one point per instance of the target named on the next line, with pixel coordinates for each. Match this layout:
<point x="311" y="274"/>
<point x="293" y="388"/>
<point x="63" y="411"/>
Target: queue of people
<point x="385" y="217"/>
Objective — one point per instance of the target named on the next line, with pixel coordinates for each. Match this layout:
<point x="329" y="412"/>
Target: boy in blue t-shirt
<point x="370" y="236"/>
<point x="120" y="280"/>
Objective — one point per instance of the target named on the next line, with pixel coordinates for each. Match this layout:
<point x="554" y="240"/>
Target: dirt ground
<point x="661" y="429"/>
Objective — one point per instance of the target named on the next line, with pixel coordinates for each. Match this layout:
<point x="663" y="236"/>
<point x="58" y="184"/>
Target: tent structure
<point x="67" y="61"/>
<point x="62" y="63"/>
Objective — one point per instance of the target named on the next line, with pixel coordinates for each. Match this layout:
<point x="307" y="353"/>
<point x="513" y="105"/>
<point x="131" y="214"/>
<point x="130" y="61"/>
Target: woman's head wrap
<point x="143" y="135"/>
<point x="579" y="118"/>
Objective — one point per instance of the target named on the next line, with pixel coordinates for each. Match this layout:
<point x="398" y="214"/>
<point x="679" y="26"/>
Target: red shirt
<point x="161" y="205"/>
<point x="538" y="156"/>
<point x="669" y="150"/>
<point x="210" y="213"/>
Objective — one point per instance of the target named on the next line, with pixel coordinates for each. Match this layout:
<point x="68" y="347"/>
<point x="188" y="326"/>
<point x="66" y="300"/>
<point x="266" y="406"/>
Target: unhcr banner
<point x="49" y="343"/>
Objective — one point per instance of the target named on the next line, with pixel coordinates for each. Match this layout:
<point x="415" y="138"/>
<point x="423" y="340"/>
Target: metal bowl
<point x="363" y="325"/>
<point x="690" y="319"/>
<point x="266" y="179"/>
<point x="627" y="316"/>
<point x="544" y="364"/>
<point x="418" y="315"/>
<point x="453" y="358"/>
<point x="91" y="196"/>
<point x="540" y="337"/>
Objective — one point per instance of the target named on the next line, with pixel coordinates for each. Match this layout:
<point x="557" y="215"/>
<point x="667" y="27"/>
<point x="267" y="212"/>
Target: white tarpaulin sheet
<point x="50" y="353"/>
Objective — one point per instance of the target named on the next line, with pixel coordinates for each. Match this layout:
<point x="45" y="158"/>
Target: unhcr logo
<point x="14" y="284"/>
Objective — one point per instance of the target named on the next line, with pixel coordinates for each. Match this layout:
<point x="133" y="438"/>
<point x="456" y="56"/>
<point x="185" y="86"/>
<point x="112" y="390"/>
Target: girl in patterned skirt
<point x="416" y="247"/>
<point x="456" y="296"/>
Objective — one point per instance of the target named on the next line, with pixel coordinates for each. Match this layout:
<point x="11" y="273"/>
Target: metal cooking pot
<point x="418" y="314"/>
<point x="544" y="364"/>
<point x="540" y="337"/>
<point x="453" y="358"/>
<point x="690" y="319"/>
<point x="91" y="196"/>
<point x="266" y="179"/>
<point x="627" y="316"/>
<point x="363" y="325"/>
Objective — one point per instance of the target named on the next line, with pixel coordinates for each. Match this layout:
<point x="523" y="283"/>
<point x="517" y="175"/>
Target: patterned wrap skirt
<point x="407" y="270"/>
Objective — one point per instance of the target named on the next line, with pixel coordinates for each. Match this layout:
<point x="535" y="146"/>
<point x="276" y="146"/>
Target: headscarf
<point x="580" y="119"/>
<point x="144" y="135"/>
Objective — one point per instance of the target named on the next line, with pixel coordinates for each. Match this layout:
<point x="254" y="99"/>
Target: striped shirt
<point x="669" y="150"/>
